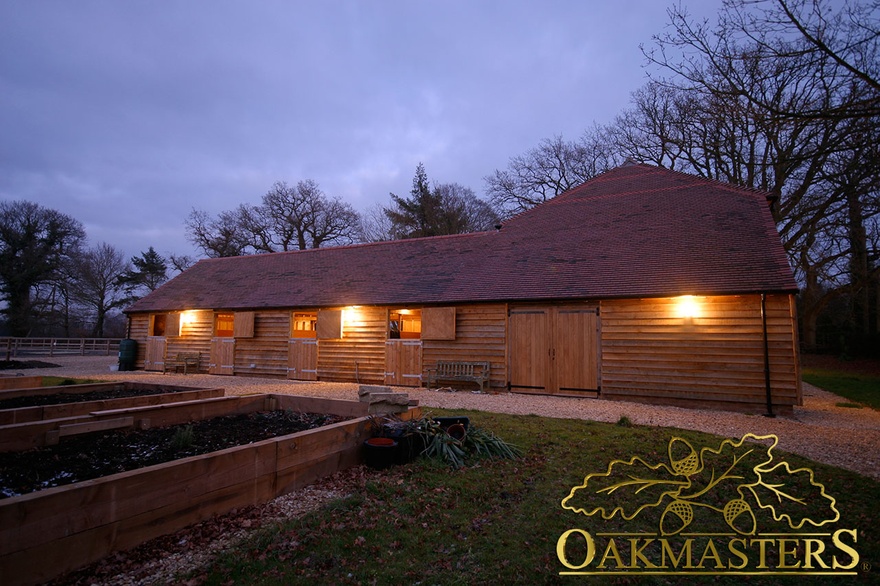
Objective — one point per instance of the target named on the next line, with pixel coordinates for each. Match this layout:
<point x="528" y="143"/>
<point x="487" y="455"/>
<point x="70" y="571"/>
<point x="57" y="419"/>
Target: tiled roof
<point x="634" y="231"/>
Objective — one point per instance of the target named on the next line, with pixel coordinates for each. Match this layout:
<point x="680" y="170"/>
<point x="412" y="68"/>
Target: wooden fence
<point x="15" y="347"/>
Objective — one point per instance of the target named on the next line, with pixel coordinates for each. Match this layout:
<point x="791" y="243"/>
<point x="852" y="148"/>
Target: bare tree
<point x="830" y="48"/>
<point x="288" y="218"/>
<point x="96" y="283"/>
<point x="551" y="168"/>
<point x="181" y="262"/>
<point x="219" y="237"/>
<point x="375" y="225"/>
<point x="465" y="212"/>
<point x="783" y="97"/>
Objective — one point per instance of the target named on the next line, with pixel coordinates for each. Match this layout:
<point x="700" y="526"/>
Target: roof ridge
<point x="354" y="245"/>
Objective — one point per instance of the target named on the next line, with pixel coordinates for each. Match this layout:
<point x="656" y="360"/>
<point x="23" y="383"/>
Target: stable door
<point x="554" y="350"/>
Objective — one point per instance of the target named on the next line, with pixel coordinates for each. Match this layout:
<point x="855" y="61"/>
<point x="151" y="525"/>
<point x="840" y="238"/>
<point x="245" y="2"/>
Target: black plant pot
<point x="380" y="452"/>
<point x="445" y="422"/>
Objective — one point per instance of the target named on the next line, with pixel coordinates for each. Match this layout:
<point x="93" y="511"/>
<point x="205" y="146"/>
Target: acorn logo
<point x="733" y="481"/>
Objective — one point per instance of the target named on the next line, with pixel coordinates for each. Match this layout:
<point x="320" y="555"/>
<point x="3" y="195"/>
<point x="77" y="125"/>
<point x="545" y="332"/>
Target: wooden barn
<point x="642" y="284"/>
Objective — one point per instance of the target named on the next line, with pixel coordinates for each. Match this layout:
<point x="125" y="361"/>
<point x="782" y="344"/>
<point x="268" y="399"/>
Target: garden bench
<point x="184" y="359"/>
<point x="450" y="370"/>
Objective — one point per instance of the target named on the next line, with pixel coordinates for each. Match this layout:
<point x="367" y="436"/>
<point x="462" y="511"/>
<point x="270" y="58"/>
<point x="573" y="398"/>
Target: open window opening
<point x="165" y="324"/>
<point x="405" y="324"/>
<point x="224" y="325"/>
<point x="304" y="324"/>
<point x="157" y="324"/>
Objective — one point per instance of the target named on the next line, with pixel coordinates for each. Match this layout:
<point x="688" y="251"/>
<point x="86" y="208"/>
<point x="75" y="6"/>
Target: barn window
<point x="157" y="327"/>
<point x="405" y="324"/>
<point x="165" y="324"/>
<point x="304" y="324"/>
<point x="224" y="325"/>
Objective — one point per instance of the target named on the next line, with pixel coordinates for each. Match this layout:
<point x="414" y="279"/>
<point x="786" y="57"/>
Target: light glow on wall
<point x="687" y="307"/>
<point x="351" y="317"/>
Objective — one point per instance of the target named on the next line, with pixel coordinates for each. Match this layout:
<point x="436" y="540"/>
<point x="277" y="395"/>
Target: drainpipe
<point x="766" y="356"/>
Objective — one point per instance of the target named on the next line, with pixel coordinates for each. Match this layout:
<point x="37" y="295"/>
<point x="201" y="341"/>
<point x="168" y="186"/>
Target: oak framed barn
<point x="641" y="284"/>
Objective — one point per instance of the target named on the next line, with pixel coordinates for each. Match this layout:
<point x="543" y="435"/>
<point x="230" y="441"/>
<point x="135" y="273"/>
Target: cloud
<point x="128" y="115"/>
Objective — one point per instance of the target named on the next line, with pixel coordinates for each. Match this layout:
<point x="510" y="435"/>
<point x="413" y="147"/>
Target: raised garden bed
<point x="19" y="382"/>
<point x="47" y="533"/>
<point x="93" y="455"/>
<point x="35" y="404"/>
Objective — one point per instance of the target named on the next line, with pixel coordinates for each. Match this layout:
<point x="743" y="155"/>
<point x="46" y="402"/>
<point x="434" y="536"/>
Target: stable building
<point x="642" y="284"/>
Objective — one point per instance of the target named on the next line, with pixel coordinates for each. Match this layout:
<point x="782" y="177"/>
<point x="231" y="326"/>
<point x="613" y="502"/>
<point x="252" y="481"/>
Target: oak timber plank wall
<point x="716" y="359"/>
<point x="138" y="330"/>
<point x="480" y="334"/>
<point x="195" y="336"/>
<point x="360" y="354"/>
<point x="264" y="354"/>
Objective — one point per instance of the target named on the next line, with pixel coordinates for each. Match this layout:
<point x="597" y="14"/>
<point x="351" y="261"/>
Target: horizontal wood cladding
<point x="359" y="355"/>
<point x="716" y="358"/>
<point x="138" y="329"/>
<point x="480" y="334"/>
<point x="195" y="336"/>
<point x="265" y="352"/>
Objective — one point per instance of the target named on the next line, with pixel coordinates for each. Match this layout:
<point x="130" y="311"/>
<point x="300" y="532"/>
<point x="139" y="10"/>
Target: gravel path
<point x="840" y="436"/>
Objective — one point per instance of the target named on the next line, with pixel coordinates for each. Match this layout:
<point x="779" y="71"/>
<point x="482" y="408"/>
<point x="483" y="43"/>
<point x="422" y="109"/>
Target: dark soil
<point x="25" y="364"/>
<point x="100" y="454"/>
<point x="101" y="395"/>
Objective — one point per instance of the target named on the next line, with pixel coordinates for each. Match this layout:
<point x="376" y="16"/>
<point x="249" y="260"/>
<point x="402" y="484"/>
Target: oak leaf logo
<point x="735" y="479"/>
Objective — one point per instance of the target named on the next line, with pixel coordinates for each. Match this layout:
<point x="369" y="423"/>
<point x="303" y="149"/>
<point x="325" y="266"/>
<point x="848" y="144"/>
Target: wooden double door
<point x="554" y="350"/>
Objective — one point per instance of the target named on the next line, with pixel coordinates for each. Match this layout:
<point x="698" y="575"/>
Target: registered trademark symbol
<point x="866" y="566"/>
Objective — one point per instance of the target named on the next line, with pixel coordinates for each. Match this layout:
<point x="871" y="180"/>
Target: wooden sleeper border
<point x="153" y="395"/>
<point x="51" y="532"/>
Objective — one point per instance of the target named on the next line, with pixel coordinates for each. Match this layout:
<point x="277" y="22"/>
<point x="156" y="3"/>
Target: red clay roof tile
<point x="635" y="231"/>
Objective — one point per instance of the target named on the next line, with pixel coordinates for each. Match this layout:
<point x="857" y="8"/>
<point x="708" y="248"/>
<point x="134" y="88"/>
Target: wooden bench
<point x="477" y="372"/>
<point x="184" y="359"/>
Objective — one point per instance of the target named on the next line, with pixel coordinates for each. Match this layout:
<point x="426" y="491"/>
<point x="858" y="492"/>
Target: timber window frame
<point x="405" y="324"/>
<point x="304" y="324"/>
<point x="165" y="324"/>
<point x="224" y="324"/>
<point x="234" y="324"/>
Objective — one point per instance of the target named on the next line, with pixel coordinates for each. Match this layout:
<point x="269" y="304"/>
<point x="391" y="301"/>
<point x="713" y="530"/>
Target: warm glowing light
<point x="351" y="316"/>
<point x="688" y="307"/>
<point x="187" y="317"/>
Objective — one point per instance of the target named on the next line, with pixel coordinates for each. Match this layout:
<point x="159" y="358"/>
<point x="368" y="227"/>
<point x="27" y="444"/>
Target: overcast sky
<point x="126" y="115"/>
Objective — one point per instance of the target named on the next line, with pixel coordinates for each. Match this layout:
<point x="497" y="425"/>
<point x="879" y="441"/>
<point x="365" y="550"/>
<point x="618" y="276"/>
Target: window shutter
<point x="243" y="324"/>
<point x="438" y="323"/>
<point x="172" y="324"/>
<point x="329" y="324"/>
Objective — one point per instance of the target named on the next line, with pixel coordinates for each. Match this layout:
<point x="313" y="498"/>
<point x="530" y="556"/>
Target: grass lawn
<point x="857" y="387"/>
<point x="499" y="521"/>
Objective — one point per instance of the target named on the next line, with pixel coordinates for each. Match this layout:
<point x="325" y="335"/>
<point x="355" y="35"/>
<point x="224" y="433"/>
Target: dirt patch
<point x="25" y="364"/>
<point x="101" y="454"/>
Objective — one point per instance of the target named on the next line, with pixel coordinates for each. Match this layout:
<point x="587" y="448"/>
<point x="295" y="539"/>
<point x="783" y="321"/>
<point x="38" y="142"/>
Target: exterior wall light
<point x="687" y="307"/>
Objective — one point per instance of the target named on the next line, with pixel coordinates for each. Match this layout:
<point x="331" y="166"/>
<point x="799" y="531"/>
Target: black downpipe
<point x="766" y="356"/>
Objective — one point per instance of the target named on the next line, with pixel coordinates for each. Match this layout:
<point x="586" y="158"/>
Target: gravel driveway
<point x="840" y="436"/>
